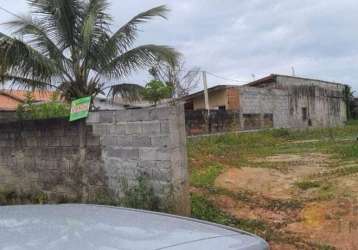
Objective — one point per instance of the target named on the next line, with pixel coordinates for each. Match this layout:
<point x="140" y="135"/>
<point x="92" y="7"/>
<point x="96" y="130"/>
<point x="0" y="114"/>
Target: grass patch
<point x="327" y="191"/>
<point x="305" y="185"/>
<point x="205" y="177"/>
<point x="203" y="209"/>
<point x="209" y="155"/>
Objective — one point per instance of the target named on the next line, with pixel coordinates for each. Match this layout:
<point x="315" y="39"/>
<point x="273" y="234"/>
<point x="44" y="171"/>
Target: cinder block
<point x="109" y="140"/>
<point x="141" y="141"/>
<point x="140" y="115"/>
<point x="123" y="153"/>
<point x="160" y="141"/>
<point x="151" y="128"/>
<point x="134" y="128"/>
<point x="106" y="117"/>
<point x="93" y="140"/>
<point x="93" y="117"/>
<point x="117" y="129"/>
<point x="124" y="141"/>
<point x="101" y="129"/>
<point x="154" y="154"/>
<point x="123" y="116"/>
<point x="164" y="127"/>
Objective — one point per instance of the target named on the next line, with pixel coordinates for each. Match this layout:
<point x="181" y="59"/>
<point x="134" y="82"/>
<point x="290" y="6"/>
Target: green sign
<point x="80" y="108"/>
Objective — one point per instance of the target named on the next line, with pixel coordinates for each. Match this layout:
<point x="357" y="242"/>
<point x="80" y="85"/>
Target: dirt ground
<point x="333" y="222"/>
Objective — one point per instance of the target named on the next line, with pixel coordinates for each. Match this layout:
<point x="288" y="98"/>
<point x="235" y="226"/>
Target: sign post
<point x="80" y="108"/>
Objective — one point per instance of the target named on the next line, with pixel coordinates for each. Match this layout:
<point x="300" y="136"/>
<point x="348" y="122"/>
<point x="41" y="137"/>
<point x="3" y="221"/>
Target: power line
<point x="224" y="78"/>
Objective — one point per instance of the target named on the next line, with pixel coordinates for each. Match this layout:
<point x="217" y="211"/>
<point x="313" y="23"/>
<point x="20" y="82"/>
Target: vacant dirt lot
<point x="298" y="190"/>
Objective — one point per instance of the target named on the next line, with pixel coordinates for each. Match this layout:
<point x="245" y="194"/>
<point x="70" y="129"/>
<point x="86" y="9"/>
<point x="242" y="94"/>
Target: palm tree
<point x="68" y="45"/>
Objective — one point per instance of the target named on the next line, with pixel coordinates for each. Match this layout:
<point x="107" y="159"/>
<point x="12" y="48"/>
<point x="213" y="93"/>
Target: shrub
<point x="32" y="111"/>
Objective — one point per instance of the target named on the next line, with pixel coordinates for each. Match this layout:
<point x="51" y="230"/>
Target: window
<point x="222" y="108"/>
<point x="304" y="114"/>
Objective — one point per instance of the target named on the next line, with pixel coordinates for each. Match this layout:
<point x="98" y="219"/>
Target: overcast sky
<point x="237" y="39"/>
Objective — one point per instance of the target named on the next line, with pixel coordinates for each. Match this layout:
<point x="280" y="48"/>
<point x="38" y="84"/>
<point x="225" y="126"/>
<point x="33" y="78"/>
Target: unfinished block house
<point x="276" y="101"/>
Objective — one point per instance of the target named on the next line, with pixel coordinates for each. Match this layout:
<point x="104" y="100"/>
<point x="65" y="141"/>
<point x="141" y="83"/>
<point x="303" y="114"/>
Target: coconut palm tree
<point x="69" y="45"/>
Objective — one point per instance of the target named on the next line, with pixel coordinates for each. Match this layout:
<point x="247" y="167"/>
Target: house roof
<point x="210" y="90"/>
<point x="10" y="99"/>
<point x="273" y="77"/>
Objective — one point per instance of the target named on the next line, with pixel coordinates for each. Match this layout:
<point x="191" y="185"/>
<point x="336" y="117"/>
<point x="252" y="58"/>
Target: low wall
<point x="100" y="159"/>
<point x="201" y="122"/>
<point x="7" y="116"/>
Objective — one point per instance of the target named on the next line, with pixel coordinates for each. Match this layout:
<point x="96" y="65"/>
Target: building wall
<point x="88" y="161"/>
<point x="257" y="101"/>
<point x="323" y="101"/>
<point x="216" y="99"/>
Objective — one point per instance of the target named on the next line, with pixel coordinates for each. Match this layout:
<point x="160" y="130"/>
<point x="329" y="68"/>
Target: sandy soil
<point x="333" y="222"/>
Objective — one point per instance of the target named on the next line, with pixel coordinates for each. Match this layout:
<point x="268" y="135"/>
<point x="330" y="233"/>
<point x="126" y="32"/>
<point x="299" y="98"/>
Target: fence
<point x="200" y="122"/>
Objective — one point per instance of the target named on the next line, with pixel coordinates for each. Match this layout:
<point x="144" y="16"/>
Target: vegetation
<point x="140" y="196"/>
<point x="262" y="212"/>
<point x="52" y="109"/>
<point x="205" y="177"/>
<point x="305" y="185"/>
<point x="14" y="197"/>
<point x="174" y="74"/>
<point x="156" y="91"/>
<point x="203" y="209"/>
<point x="68" y="45"/>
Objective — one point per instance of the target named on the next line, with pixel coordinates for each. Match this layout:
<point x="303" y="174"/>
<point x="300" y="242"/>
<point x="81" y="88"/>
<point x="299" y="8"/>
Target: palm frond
<point x="26" y="83"/>
<point x="18" y="57"/>
<point x="62" y="18"/>
<point x="137" y="58"/>
<point x="127" y="91"/>
<point x="125" y="36"/>
<point x="40" y="39"/>
<point x="95" y="24"/>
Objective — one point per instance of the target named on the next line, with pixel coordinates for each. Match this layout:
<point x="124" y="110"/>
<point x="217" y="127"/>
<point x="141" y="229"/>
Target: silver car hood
<point x="88" y="227"/>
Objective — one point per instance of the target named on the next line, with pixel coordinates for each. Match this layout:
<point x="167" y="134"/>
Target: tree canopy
<point x="69" y="45"/>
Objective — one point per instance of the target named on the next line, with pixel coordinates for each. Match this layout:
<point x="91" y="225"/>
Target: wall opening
<point x="304" y="114"/>
<point x="252" y="121"/>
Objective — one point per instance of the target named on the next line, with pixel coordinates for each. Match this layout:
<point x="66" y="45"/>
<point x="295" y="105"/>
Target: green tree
<point x="156" y="91"/>
<point x="68" y="45"/>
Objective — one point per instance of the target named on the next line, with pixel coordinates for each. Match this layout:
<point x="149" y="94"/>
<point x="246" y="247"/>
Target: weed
<point x="305" y="185"/>
<point x="281" y="133"/>
<point x="203" y="209"/>
<point x="140" y="196"/>
<point x="205" y="177"/>
<point x="327" y="191"/>
<point x="11" y="197"/>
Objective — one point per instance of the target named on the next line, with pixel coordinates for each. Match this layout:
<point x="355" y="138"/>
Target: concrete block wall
<point x="265" y="101"/>
<point x="85" y="160"/>
<point x="324" y="102"/>
<point x="7" y="116"/>
<point x="45" y="156"/>
<point x="150" y="142"/>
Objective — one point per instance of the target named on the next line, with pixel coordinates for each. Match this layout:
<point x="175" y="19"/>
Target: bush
<point x="32" y="111"/>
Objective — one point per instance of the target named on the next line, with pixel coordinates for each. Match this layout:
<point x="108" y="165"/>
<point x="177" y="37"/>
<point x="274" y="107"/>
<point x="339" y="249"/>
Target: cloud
<point x="236" y="39"/>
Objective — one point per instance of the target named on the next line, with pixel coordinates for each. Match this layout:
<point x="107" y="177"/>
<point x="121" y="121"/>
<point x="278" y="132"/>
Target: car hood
<point x="110" y="228"/>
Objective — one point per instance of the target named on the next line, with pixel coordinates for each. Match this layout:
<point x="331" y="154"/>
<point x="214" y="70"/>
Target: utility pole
<point x="293" y="71"/>
<point x="206" y="93"/>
